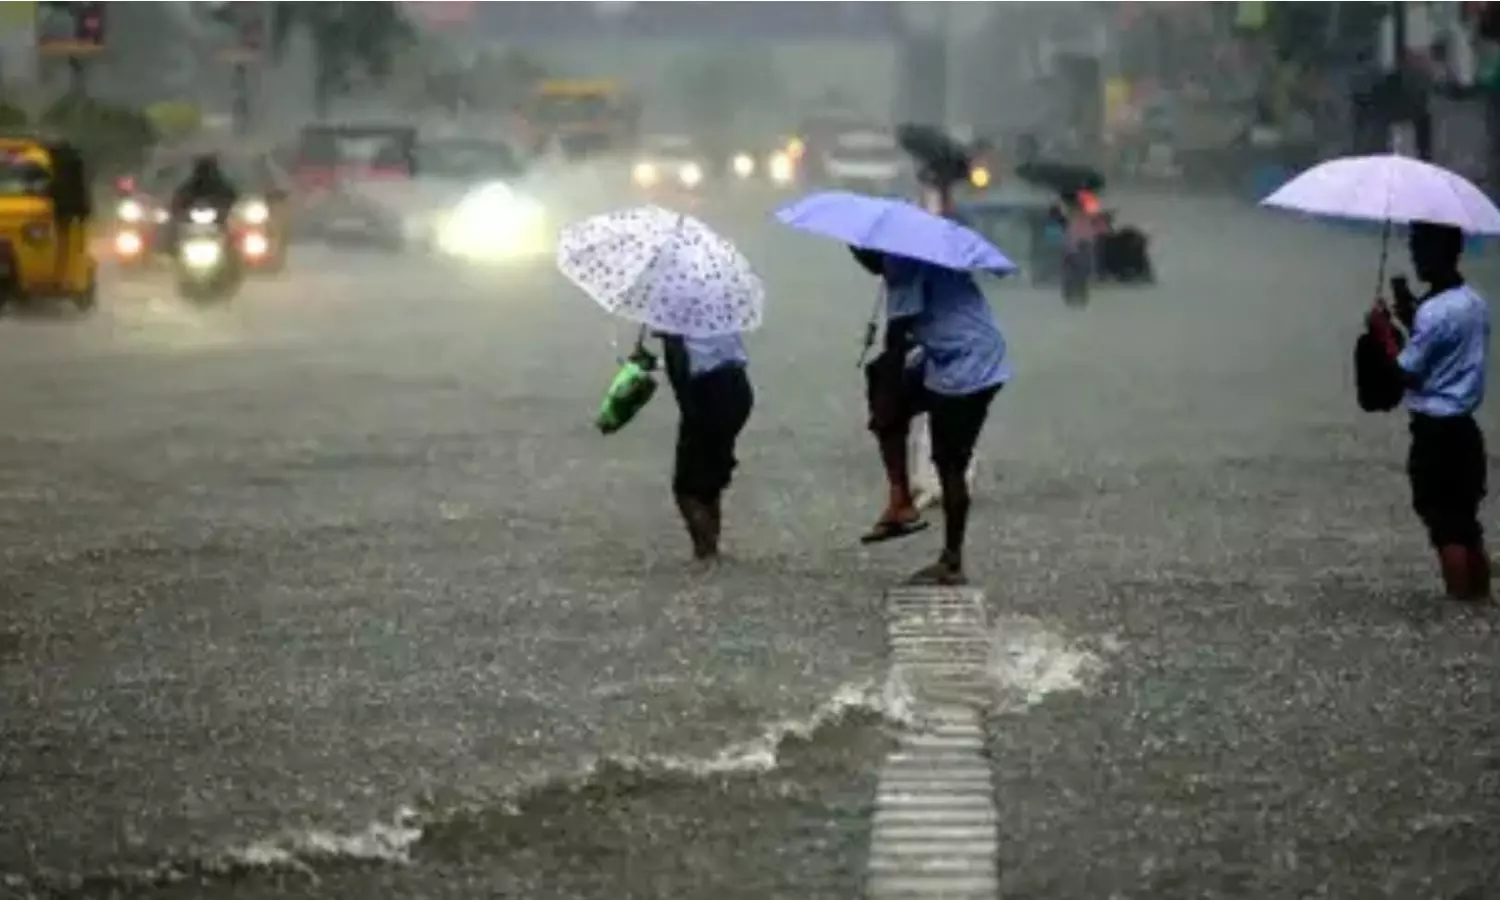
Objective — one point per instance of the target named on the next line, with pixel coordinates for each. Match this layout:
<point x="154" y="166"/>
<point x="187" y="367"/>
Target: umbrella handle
<point x="1385" y="249"/>
<point x="872" y="328"/>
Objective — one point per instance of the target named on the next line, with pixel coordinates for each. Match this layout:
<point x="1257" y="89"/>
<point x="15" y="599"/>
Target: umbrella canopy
<point x="1388" y="188"/>
<point x="945" y="158"/>
<point x="664" y="270"/>
<point x="1064" y="178"/>
<point x="896" y="227"/>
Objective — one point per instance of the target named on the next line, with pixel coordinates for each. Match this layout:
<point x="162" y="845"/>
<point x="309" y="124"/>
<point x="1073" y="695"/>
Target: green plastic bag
<point x="632" y="388"/>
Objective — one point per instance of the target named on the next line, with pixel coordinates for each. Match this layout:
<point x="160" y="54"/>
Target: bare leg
<point x="1479" y="572"/>
<point x="698" y="517"/>
<point x="949" y="569"/>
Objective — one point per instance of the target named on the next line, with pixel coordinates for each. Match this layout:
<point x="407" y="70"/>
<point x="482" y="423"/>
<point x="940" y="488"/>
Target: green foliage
<point x="347" y="37"/>
<point x="13" y="117"/>
<point x="110" y="138"/>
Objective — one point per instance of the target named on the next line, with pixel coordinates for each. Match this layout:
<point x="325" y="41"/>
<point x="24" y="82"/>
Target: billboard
<point x="69" y="29"/>
<point x="237" y="31"/>
<point x="727" y="21"/>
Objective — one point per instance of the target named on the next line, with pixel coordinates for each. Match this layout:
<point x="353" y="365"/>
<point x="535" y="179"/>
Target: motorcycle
<point x="207" y="267"/>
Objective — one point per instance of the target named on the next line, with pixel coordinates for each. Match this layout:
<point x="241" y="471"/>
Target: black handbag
<point x="1377" y="379"/>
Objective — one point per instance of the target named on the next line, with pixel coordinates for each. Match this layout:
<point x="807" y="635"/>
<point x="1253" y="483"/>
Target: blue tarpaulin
<point x="728" y="21"/>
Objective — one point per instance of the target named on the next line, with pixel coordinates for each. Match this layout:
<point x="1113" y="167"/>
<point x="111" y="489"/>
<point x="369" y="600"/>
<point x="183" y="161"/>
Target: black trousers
<point x="715" y="407"/>
<point x="895" y="395"/>
<point x="1448" y="469"/>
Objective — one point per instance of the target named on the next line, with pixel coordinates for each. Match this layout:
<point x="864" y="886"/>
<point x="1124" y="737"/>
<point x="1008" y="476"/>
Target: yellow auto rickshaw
<point x="45" y="212"/>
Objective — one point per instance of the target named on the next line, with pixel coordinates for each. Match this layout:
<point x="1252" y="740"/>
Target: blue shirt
<point x="1448" y="353"/>
<point x="707" y="354"/>
<point x="962" y="346"/>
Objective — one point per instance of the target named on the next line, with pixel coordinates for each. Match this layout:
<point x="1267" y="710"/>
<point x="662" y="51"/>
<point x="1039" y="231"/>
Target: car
<point x="671" y="162"/>
<point x="865" y="159"/>
<point x="261" y="229"/>
<point x="345" y="174"/>
<point x="774" y="165"/>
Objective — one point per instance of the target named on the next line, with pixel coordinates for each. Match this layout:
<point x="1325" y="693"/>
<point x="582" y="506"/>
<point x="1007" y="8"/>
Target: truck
<point x="581" y="118"/>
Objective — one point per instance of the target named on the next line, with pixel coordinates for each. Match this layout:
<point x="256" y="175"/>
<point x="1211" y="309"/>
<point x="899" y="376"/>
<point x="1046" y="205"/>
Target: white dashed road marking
<point x="935" y="818"/>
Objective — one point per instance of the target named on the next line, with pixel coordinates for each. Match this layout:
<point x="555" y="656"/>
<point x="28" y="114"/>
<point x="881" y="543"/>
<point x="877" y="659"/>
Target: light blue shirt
<point x="962" y="346"/>
<point x="707" y="354"/>
<point x="1448" y="353"/>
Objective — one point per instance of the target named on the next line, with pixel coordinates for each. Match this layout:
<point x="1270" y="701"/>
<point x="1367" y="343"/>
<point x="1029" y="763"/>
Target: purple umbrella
<point x="896" y="227"/>
<point x="1389" y="188"/>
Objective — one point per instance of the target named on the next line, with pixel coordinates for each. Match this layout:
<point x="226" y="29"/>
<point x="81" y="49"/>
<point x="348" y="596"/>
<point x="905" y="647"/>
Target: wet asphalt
<point x="350" y="548"/>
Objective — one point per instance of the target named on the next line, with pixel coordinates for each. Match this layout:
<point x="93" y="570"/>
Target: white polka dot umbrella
<point x="664" y="270"/>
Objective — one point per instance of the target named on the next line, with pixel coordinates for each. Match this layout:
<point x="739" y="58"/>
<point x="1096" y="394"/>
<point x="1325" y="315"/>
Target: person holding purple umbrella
<point x="944" y="355"/>
<point x="1442" y="367"/>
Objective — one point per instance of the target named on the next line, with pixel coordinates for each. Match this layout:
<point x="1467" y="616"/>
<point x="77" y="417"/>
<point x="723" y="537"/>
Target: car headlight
<point x="980" y="177"/>
<point x="131" y="211"/>
<point x="781" y="168"/>
<point x="744" y="165"/>
<point x="255" y="212"/>
<point x="492" y="222"/>
<point x="645" y="174"/>
<point x="691" y="174"/>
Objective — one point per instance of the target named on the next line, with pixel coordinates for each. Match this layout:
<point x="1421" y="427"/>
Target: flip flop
<point x="937" y="575"/>
<point x="890" y="531"/>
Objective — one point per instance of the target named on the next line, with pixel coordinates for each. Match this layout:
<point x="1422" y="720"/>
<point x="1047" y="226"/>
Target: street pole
<point x="240" y="88"/>
<point x="1415" y="118"/>
<point x="78" y="77"/>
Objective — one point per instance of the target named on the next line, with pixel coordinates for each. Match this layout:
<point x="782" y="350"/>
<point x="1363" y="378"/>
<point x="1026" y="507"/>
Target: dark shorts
<point x="715" y="407"/>
<point x="1448" y="469"/>
<point x="896" y="395"/>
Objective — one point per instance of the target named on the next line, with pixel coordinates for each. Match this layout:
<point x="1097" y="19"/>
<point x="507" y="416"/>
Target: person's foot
<point x="925" y="500"/>
<point x="706" y="563"/>
<point x="894" y="524"/>
<point x="942" y="573"/>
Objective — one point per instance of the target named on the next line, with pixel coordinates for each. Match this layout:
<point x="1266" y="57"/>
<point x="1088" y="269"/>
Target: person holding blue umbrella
<point x="944" y="353"/>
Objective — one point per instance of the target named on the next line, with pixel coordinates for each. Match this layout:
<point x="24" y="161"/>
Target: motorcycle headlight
<point x="691" y="174"/>
<point x="255" y="212"/>
<point x="131" y="211"/>
<point x="980" y="177"/>
<point x="644" y="174"/>
<point x="744" y="165"/>
<point x="201" y="254"/>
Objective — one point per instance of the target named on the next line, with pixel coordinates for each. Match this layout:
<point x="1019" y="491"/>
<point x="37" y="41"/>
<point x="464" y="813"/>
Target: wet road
<point x="351" y="548"/>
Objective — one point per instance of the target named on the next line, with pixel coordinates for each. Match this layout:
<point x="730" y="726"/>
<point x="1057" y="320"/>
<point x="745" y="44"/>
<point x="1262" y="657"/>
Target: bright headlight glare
<point x="256" y="212"/>
<point x="201" y="254"/>
<point x="781" y="168"/>
<point x="644" y="174"/>
<point x="744" y="165"/>
<point x="691" y="174"/>
<point x="202" y="216"/>
<point x="131" y="211"/>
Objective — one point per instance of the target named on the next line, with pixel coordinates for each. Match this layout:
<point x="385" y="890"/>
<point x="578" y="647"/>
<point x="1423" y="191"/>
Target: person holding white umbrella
<point x="1433" y="351"/>
<point x="692" y="289"/>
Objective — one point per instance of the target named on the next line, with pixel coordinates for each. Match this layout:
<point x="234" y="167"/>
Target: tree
<point x="347" y="38"/>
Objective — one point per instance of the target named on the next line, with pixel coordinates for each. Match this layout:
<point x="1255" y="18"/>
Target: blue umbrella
<point x="896" y="227"/>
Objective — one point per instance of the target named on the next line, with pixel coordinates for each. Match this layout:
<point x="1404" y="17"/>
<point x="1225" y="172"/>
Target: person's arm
<point x="1411" y="359"/>
<point x="904" y="299"/>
